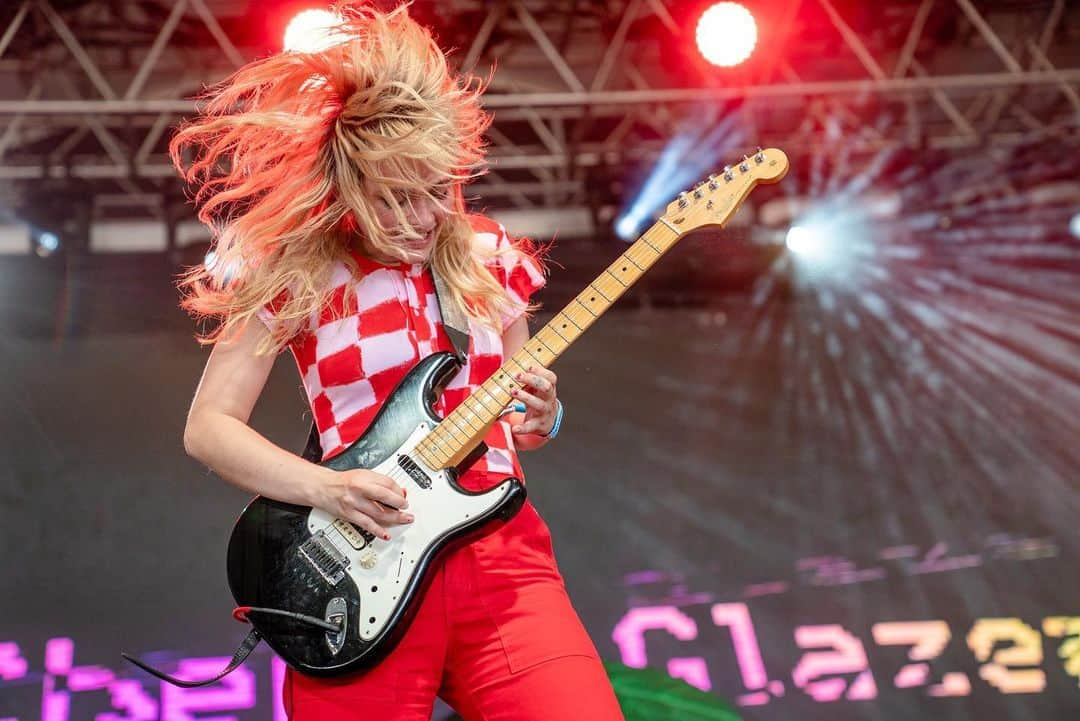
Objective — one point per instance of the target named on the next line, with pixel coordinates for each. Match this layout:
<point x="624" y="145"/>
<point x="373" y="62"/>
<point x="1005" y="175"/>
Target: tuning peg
<point x="743" y="167"/>
<point x="727" y="174"/>
<point x="683" y="202"/>
<point x="760" y="157"/>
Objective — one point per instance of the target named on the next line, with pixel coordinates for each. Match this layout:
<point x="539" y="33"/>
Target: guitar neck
<point x="709" y="204"/>
<point x="465" y="427"/>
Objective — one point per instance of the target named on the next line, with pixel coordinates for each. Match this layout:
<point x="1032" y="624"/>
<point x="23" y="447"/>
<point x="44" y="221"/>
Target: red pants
<point x="495" y="637"/>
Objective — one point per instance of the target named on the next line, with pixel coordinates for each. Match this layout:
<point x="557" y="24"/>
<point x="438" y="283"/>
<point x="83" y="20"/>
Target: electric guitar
<point x="331" y="598"/>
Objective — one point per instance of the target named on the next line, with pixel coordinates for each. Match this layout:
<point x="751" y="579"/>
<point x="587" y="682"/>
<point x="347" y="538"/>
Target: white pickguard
<point x="393" y="563"/>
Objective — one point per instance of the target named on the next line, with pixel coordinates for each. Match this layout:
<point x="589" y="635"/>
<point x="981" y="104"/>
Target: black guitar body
<point x="293" y="558"/>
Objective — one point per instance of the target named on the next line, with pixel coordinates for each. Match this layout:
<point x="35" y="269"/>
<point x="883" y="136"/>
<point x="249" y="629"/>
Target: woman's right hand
<point x="368" y="499"/>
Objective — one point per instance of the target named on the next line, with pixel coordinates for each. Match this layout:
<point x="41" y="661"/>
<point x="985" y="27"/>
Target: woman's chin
<point x="418" y="253"/>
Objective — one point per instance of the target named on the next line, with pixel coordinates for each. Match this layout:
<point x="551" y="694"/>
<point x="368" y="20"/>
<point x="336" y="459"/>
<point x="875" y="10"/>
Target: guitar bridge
<point x="325" y="558"/>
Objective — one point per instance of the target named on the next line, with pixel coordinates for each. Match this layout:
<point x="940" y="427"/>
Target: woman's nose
<point x="425" y="215"/>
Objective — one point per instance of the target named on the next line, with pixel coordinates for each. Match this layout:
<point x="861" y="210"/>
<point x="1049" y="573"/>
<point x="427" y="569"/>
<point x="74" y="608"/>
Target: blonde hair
<point x="284" y="150"/>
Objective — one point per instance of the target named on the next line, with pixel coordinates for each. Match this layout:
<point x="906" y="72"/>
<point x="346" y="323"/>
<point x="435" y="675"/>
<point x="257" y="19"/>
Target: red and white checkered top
<point x="349" y="366"/>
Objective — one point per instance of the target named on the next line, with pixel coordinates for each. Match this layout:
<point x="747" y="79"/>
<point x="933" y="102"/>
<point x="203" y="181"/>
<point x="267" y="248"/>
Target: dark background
<point x="709" y="440"/>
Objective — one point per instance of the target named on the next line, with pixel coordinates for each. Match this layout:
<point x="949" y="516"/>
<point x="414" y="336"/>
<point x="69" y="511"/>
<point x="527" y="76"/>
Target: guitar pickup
<point x="355" y="536"/>
<point x="414" y="470"/>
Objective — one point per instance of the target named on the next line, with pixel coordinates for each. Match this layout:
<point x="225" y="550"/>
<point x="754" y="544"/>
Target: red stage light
<point x="310" y="31"/>
<point x="726" y="34"/>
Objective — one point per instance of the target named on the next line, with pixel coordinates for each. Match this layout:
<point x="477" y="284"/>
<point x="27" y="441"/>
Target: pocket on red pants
<point x="537" y="623"/>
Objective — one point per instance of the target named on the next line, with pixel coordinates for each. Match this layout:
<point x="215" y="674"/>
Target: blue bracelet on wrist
<point x="520" y="408"/>
<point x="558" y="421"/>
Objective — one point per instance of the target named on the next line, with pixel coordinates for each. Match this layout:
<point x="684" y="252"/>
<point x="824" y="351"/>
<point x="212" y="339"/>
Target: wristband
<point x="520" y="408"/>
<point x="558" y="421"/>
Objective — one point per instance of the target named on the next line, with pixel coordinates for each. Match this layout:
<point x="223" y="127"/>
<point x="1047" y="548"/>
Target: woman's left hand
<point x="538" y="395"/>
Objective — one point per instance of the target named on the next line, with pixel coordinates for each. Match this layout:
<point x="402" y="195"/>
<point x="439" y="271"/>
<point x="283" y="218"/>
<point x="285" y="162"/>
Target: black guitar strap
<point x="246" y="647"/>
<point x="313" y="448"/>
<point x="455" y="322"/>
<point x="456" y="325"/>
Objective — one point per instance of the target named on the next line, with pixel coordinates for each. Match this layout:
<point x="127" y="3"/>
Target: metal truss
<point x="584" y="93"/>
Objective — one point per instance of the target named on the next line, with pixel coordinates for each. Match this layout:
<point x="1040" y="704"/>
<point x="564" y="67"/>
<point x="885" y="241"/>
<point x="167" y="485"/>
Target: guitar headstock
<point x="715" y="200"/>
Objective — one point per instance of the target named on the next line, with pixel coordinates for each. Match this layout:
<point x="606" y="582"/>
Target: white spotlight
<point x="1074" y="226"/>
<point x="826" y="248"/>
<point x="217" y="268"/>
<point x="803" y="241"/>
<point x="626" y="227"/>
<point x="726" y="34"/>
<point x="312" y="31"/>
<point x="47" y="244"/>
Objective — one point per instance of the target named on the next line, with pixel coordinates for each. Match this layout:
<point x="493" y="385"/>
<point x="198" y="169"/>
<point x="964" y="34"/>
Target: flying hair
<point x="288" y="155"/>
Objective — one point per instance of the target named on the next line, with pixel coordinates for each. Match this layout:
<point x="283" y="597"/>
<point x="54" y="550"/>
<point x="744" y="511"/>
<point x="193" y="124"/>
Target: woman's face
<point x="422" y="212"/>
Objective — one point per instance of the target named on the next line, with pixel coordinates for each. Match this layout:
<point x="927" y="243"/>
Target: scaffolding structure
<point x="583" y="93"/>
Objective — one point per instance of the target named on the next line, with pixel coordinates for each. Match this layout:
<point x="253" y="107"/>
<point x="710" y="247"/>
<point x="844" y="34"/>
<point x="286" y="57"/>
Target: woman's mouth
<point x="423" y="243"/>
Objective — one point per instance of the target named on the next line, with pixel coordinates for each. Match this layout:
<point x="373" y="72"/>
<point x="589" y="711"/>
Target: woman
<point x="332" y="181"/>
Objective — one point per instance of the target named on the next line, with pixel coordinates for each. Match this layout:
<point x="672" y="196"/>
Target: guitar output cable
<point x="240" y="613"/>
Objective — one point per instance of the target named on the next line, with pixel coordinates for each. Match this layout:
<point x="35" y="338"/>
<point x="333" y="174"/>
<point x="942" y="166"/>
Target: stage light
<point x="46" y="243"/>
<point x="829" y="241"/>
<point x="803" y="241"/>
<point x="687" y="158"/>
<point x="312" y="31"/>
<point x="626" y="227"/>
<point x="222" y="272"/>
<point x="726" y="34"/>
<point x="1074" y="226"/>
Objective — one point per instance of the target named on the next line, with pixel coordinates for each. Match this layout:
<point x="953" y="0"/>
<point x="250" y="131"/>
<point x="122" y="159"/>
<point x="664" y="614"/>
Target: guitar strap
<point x="246" y="647"/>
<point x="456" y="325"/>
<point x="455" y="322"/>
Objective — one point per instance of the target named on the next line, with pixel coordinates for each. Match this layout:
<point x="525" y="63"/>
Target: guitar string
<point x="399" y="475"/>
